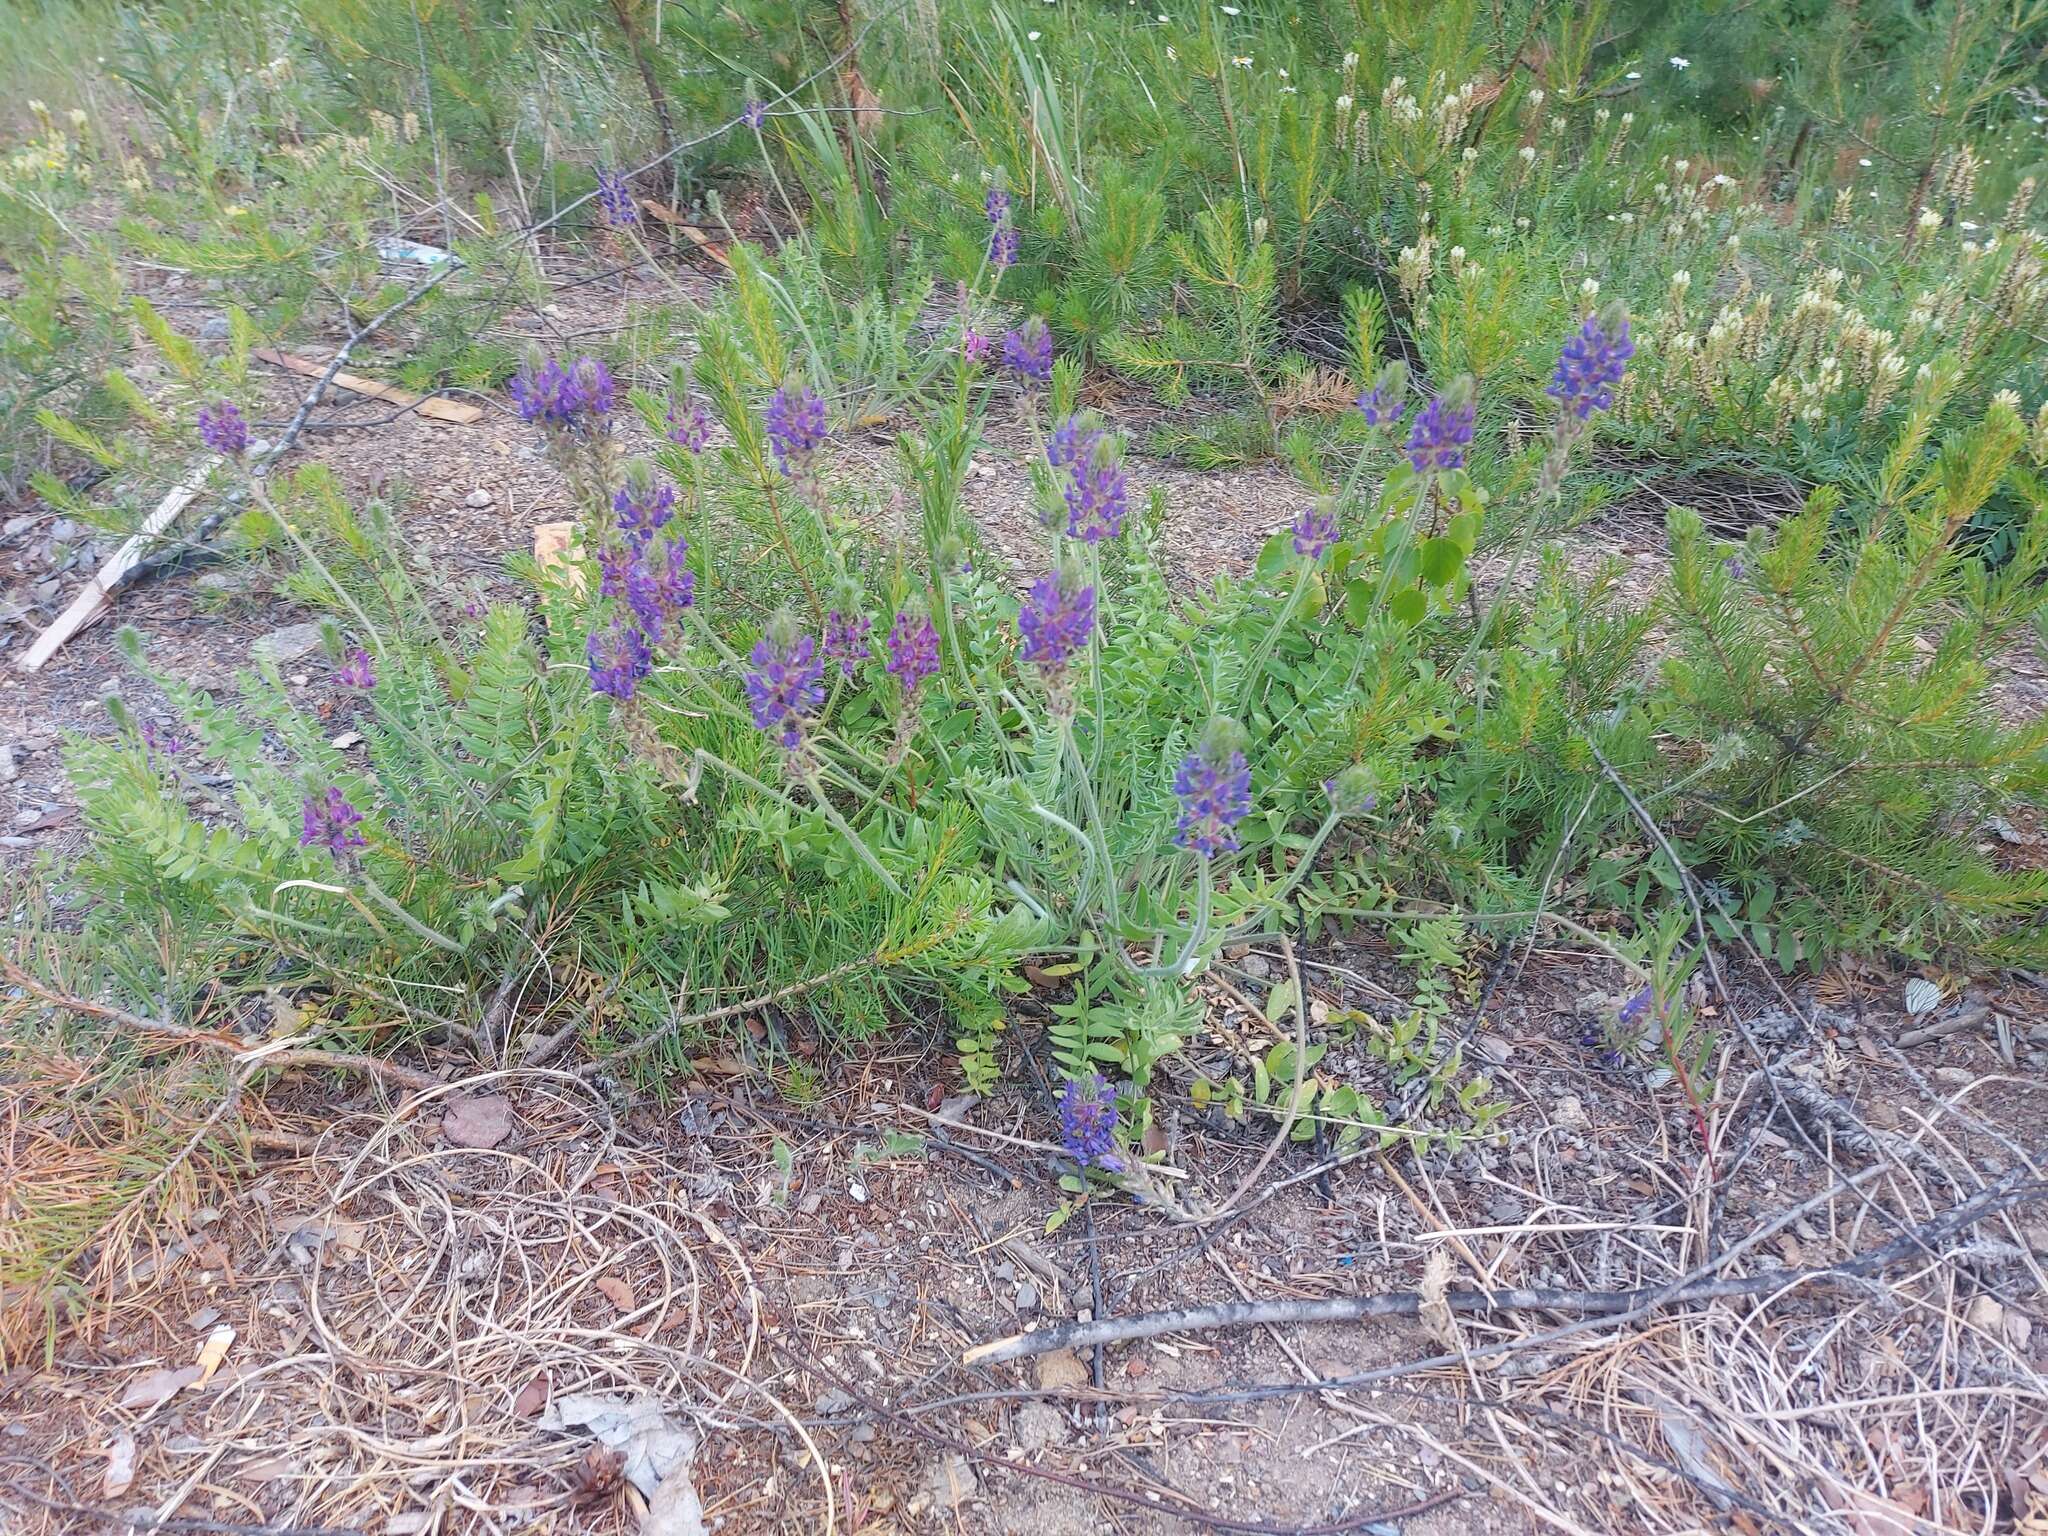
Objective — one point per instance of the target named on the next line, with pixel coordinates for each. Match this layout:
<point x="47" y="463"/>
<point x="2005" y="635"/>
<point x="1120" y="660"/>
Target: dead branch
<point x="1627" y="1304"/>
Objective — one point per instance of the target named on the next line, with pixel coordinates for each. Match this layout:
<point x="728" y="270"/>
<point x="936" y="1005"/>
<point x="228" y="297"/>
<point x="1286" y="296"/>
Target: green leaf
<point x="1442" y="559"/>
<point x="1408" y="606"/>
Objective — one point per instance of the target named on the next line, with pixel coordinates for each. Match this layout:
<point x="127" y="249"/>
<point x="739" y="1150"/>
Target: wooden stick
<point x="1336" y="1309"/>
<point x="94" y="598"/>
<point x="460" y="412"/>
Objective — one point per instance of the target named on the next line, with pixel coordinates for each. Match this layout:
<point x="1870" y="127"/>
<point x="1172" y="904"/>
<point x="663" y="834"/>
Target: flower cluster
<point x="913" y="650"/>
<point x="357" y="671"/>
<point x="1591" y="364"/>
<point x="754" y="114"/>
<point x="330" y="820"/>
<point x="1383" y="403"/>
<point x="1056" y="620"/>
<point x="796" y="428"/>
<point x="1443" y="431"/>
<point x="1315" y="528"/>
<point x="615" y="201"/>
<point x="161" y="738"/>
<point x="1214" y="788"/>
<point x="689" y="425"/>
<point x="784" y="687"/>
<point x="643" y="505"/>
<point x="974" y="346"/>
<point x="1088" y="1122"/>
<point x="1002" y="239"/>
<point x="1097" y="493"/>
<point x="545" y="391"/>
<point x="619" y="657"/>
<point x="1028" y="352"/>
<point x="846" y="640"/>
<point x="223" y="430"/>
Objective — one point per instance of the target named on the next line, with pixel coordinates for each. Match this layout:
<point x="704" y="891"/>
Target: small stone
<point x="1953" y="1077"/>
<point x="950" y="1483"/>
<point x="286" y="644"/>
<point x="832" y="1400"/>
<point x="214" y="328"/>
<point x="1504" y="1209"/>
<point x="1492" y="1047"/>
<point x="1040" y="1425"/>
<point x="1060" y="1371"/>
<point x="1569" y="1114"/>
<point x="480" y="498"/>
<point x="1027" y="1296"/>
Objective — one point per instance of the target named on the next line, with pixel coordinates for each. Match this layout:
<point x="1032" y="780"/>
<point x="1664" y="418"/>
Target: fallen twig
<point x="1151" y="1325"/>
<point x="185" y="1034"/>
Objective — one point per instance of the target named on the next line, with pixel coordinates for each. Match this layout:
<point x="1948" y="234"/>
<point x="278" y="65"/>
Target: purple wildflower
<point x="543" y="391"/>
<point x="223" y="430"/>
<point x="1443" y="431"/>
<point x="1004" y="244"/>
<point x="754" y="114"/>
<point x="974" y="346"/>
<point x="161" y="738"/>
<point x="1056" y="620"/>
<point x="689" y="427"/>
<point x="796" y="428"/>
<point x="1088" y="1121"/>
<point x="1635" y="1010"/>
<point x="619" y="658"/>
<point x="643" y="506"/>
<point x="1029" y="351"/>
<point x="996" y="205"/>
<point x="615" y="203"/>
<point x="1097" y="494"/>
<point x="1315" y="529"/>
<point x="357" y="671"/>
<point x="675" y="584"/>
<point x="1592" y="363"/>
<point x="331" y="820"/>
<point x="1736" y="567"/>
<point x="1072" y="441"/>
<point x="913" y="649"/>
<point x="783" y="689"/>
<point x="846" y="639"/>
<point x="1214" y="787"/>
<point x="595" y="392"/>
<point x="1383" y="403"/>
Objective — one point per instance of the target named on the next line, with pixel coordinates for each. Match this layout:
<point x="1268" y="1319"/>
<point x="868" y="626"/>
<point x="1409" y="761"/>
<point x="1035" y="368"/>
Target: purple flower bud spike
<point x="1088" y="1122"/>
<point x="222" y="429"/>
<point x="329" y="820"/>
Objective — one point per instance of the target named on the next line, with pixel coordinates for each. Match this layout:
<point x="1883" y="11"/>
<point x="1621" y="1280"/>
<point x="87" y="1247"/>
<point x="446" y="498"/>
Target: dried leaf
<point x="478" y="1121"/>
<point x="120" y="1465"/>
<point x="616" y="1291"/>
<point x="158" y="1387"/>
<point x="674" y="1509"/>
<point x="532" y="1397"/>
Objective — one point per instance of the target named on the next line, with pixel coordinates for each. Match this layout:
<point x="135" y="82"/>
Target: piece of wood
<point x="95" y="597"/>
<point x="691" y="232"/>
<point x="553" y="551"/>
<point x="460" y="412"/>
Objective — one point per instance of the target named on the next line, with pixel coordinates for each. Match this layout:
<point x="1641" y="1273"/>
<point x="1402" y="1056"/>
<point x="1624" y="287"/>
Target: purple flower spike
<point x="675" y="584"/>
<point x="1635" y="1010"/>
<point x="1088" y="1122"/>
<point x="1097" y="495"/>
<point x="1056" y="620"/>
<point x="615" y="201"/>
<point x="1315" y="530"/>
<point x="974" y="346"/>
<point x="913" y="649"/>
<point x="357" y="671"/>
<point x="223" y="430"/>
<point x="1591" y="364"/>
<point x="543" y="391"/>
<point x="1214" y="788"/>
<point x="689" y="427"/>
<point x="1442" y="432"/>
<point x="1004" y="243"/>
<point x="1378" y="409"/>
<point x="784" y="687"/>
<point x="161" y="738"/>
<point x="643" y="509"/>
<point x="1028" y="352"/>
<point x="619" y="658"/>
<point x="595" y="392"/>
<point x="996" y="205"/>
<point x="1072" y="441"/>
<point x="754" y="114"/>
<point x="846" y="639"/>
<point x="329" y="819"/>
<point x="796" y="428"/>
